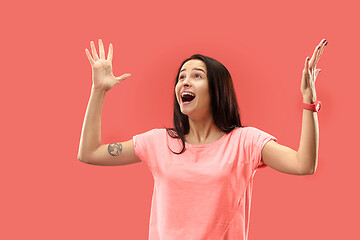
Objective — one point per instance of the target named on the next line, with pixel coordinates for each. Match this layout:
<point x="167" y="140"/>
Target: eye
<point x="196" y="75"/>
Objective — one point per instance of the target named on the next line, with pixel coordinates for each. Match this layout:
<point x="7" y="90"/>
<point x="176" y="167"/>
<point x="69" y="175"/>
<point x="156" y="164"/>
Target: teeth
<point x="187" y="93"/>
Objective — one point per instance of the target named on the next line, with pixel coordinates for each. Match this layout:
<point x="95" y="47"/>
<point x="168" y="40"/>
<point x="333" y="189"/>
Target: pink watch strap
<point x="313" y="107"/>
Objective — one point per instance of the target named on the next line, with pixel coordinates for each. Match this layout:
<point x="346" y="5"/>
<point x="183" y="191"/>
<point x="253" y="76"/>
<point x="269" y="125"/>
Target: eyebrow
<point x="194" y="69"/>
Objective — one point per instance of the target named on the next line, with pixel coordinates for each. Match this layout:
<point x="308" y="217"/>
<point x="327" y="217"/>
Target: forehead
<point x="194" y="63"/>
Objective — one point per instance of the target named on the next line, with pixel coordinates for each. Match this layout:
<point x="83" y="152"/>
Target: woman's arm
<point x="304" y="161"/>
<point x="103" y="80"/>
<point x="309" y="142"/>
<point x="91" y="130"/>
<point x="307" y="153"/>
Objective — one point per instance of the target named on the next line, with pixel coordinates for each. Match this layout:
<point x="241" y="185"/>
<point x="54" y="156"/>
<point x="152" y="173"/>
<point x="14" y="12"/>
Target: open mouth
<point x="187" y="97"/>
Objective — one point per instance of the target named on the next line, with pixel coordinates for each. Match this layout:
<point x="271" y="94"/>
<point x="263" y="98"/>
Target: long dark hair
<point x="225" y="110"/>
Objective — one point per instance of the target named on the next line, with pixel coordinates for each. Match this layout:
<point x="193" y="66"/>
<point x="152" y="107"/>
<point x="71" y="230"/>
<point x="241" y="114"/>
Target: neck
<point x="202" y="130"/>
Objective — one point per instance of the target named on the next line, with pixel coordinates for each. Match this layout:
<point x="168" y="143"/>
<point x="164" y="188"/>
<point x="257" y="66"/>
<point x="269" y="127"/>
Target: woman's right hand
<point x="102" y="75"/>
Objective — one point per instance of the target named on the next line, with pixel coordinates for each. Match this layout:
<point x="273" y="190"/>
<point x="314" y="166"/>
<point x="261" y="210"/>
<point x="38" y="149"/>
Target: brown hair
<point x="225" y="110"/>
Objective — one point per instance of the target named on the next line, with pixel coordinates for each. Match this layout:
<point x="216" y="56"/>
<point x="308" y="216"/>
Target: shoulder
<point x="253" y="131"/>
<point x="253" y="135"/>
<point x="245" y="132"/>
<point x="150" y="134"/>
<point x="156" y="131"/>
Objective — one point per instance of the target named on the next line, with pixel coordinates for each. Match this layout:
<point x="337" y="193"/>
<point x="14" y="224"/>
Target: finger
<point x="123" y="77"/>
<point x="101" y="49"/>
<point x="321" y="50"/>
<point x="306" y="66"/>
<point x="305" y="72"/>
<point x="323" y="47"/>
<point x="91" y="60"/>
<point x="313" y="58"/>
<point x="93" y="50"/>
<point x="110" y="53"/>
<point x="316" y="73"/>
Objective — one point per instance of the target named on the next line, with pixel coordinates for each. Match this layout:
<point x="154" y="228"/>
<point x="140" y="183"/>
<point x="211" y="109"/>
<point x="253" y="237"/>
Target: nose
<point x="186" y="82"/>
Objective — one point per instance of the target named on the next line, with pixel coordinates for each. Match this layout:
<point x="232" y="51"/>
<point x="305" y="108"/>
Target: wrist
<point x="309" y="99"/>
<point x="313" y="106"/>
<point x="97" y="90"/>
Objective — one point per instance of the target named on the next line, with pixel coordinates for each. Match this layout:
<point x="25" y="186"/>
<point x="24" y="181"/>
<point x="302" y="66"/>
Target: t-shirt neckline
<point x="188" y="145"/>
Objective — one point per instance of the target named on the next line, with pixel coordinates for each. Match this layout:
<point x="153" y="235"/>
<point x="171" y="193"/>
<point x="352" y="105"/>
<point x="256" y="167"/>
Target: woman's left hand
<point x="310" y="73"/>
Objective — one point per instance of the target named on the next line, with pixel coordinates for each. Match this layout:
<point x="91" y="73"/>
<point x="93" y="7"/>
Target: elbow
<point x="86" y="158"/>
<point x="81" y="159"/>
<point x="313" y="171"/>
<point x="310" y="172"/>
<point x="307" y="172"/>
<point x="309" y="169"/>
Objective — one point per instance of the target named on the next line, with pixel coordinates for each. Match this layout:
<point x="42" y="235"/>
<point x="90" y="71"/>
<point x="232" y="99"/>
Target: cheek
<point x="176" y="92"/>
<point x="205" y="92"/>
<point x="206" y="97"/>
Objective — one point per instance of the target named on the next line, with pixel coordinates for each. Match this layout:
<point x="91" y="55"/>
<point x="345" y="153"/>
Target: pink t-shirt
<point x="205" y="192"/>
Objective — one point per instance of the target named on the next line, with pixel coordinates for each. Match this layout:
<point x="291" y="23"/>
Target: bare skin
<point x="202" y="127"/>
<point x="90" y="149"/>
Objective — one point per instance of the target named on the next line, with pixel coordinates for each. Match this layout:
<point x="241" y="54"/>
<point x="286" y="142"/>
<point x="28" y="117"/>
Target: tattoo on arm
<point x="115" y="149"/>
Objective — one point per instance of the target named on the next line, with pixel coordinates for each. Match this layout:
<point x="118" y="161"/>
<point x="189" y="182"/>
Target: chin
<point x="188" y="110"/>
<point x="185" y="113"/>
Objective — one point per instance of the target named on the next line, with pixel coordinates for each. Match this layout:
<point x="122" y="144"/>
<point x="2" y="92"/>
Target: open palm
<point x="310" y="72"/>
<point x="102" y="75"/>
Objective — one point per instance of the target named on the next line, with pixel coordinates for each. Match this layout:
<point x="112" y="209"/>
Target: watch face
<point x="318" y="106"/>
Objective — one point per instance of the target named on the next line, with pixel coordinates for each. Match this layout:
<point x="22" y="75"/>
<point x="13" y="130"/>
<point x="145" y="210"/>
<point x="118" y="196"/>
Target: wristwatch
<point x="313" y="107"/>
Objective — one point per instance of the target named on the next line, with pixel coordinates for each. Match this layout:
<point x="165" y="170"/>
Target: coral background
<point x="47" y="193"/>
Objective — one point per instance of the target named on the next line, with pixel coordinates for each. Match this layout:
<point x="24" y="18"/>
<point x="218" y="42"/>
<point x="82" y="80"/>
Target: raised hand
<point x="310" y="72"/>
<point x="102" y="75"/>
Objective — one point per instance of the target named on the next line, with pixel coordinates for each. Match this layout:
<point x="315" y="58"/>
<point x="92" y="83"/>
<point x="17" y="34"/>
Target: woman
<point x="203" y="168"/>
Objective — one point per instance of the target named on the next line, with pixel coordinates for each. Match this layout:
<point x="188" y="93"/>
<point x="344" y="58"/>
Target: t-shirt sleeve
<point x="144" y="145"/>
<point x="256" y="140"/>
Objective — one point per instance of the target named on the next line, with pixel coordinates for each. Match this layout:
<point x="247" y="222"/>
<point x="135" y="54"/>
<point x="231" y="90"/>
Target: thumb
<point x="123" y="77"/>
<point x="317" y="72"/>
